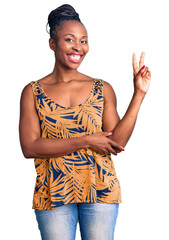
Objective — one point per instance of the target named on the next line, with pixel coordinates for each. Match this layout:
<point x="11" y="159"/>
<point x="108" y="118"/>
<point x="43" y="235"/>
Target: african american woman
<point x="70" y="126"/>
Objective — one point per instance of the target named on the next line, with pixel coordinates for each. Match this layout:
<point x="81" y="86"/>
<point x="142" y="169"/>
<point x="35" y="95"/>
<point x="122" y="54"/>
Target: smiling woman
<point x="64" y="122"/>
<point x="60" y="30"/>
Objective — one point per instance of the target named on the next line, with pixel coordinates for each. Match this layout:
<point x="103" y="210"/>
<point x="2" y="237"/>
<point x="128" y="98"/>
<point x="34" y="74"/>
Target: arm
<point x="33" y="146"/>
<point x="122" y="129"/>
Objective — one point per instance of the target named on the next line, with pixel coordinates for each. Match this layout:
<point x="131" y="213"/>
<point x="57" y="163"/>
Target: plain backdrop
<point x="116" y="29"/>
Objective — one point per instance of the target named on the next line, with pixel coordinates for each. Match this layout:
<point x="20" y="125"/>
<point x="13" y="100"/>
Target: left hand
<point x="141" y="83"/>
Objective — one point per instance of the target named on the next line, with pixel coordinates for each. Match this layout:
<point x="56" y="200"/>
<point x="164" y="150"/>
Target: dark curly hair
<point x="60" y="14"/>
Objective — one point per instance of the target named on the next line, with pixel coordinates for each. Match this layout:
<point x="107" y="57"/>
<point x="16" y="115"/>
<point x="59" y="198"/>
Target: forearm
<point x="123" y="130"/>
<point x="47" y="147"/>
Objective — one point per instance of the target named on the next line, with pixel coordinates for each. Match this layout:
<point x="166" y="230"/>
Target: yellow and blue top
<point x="83" y="176"/>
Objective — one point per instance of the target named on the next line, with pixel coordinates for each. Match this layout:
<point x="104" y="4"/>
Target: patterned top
<point x="83" y="176"/>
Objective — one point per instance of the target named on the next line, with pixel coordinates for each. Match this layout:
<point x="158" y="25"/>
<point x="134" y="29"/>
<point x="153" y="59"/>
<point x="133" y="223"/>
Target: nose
<point x="77" y="46"/>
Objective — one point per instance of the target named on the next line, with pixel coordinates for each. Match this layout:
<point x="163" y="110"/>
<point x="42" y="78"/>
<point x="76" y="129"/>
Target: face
<point x="71" y="45"/>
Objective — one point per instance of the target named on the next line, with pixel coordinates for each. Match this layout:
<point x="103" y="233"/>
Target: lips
<point x="75" y="57"/>
<point x="74" y="53"/>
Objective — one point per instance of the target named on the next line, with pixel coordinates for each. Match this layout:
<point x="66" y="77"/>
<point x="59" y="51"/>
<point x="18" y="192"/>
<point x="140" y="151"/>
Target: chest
<point x="82" y="116"/>
<point x="68" y="95"/>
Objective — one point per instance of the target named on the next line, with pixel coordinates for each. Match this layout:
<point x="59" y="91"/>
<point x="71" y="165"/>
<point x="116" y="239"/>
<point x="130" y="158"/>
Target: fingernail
<point x="142" y="74"/>
<point x="123" y="149"/>
<point x="143" y="67"/>
<point x="111" y="131"/>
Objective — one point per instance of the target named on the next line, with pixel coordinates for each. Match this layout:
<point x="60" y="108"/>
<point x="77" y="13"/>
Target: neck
<point x="63" y="74"/>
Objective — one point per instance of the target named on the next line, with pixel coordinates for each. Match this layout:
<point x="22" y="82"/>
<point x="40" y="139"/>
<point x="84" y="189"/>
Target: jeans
<point x="96" y="221"/>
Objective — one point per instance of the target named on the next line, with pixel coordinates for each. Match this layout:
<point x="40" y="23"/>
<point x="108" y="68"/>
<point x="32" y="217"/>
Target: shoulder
<point x="30" y="88"/>
<point x="27" y="89"/>
<point x="27" y="94"/>
<point x="108" y="92"/>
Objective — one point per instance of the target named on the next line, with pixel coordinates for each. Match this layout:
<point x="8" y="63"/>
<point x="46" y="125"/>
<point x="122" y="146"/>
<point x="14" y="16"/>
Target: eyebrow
<point x="72" y="35"/>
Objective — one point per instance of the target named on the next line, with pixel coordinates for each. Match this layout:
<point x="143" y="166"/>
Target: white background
<point x="116" y="29"/>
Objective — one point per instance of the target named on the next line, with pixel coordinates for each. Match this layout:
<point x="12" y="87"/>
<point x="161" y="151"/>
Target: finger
<point x="149" y="74"/>
<point x="117" y="150"/>
<point x="101" y="152"/>
<point x="107" y="150"/>
<point x="143" y="71"/>
<point x="114" y="152"/>
<point x="134" y="62"/>
<point x="141" y="63"/>
<point x="115" y="145"/>
<point x="107" y="133"/>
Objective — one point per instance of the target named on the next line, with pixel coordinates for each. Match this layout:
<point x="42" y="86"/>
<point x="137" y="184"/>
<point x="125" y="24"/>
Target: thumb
<point x="142" y="70"/>
<point x="108" y="133"/>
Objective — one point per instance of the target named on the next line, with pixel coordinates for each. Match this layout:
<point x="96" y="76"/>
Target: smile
<point x="74" y="57"/>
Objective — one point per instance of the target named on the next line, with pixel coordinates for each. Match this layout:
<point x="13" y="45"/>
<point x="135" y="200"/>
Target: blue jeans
<point x="96" y="221"/>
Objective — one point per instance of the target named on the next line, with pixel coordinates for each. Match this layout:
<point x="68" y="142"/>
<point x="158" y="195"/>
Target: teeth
<point x="74" y="57"/>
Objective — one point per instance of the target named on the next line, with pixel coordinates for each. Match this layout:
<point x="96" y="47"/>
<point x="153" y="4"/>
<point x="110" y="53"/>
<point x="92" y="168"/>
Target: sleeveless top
<point x="83" y="176"/>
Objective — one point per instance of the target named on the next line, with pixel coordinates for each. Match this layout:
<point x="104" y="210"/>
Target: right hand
<point x="100" y="143"/>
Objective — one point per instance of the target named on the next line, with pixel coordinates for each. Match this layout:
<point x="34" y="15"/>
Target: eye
<point x="67" y="40"/>
<point x="84" y="41"/>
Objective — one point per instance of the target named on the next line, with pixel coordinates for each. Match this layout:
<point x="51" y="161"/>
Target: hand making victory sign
<point x="124" y="127"/>
<point x="142" y="75"/>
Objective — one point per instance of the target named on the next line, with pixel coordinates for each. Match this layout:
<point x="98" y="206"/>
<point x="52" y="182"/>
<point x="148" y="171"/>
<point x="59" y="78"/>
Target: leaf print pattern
<point x="81" y="176"/>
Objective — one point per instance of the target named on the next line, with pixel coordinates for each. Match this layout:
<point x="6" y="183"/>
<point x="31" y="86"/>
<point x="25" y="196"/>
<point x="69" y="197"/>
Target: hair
<point x="60" y="14"/>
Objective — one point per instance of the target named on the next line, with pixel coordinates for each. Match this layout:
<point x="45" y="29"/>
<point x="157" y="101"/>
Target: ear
<point x="52" y="44"/>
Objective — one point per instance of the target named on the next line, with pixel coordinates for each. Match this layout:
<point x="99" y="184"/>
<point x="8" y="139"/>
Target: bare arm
<point x="33" y="146"/>
<point x="122" y="129"/>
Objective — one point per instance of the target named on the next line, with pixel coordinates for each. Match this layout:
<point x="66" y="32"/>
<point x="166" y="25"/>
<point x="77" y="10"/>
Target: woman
<point x="65" y="119"/>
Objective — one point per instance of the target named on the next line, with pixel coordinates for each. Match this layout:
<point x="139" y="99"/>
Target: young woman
<point x="65" y="119"/>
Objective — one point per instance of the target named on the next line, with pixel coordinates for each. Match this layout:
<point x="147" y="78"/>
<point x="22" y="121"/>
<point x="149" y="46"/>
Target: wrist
<point x="86" y="141"/>
<point x="139" y="93"/>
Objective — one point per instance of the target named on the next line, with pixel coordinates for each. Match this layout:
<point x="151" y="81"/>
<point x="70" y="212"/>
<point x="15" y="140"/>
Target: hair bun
<point x="63" y="12"/>
<point x="67" y="10"/>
